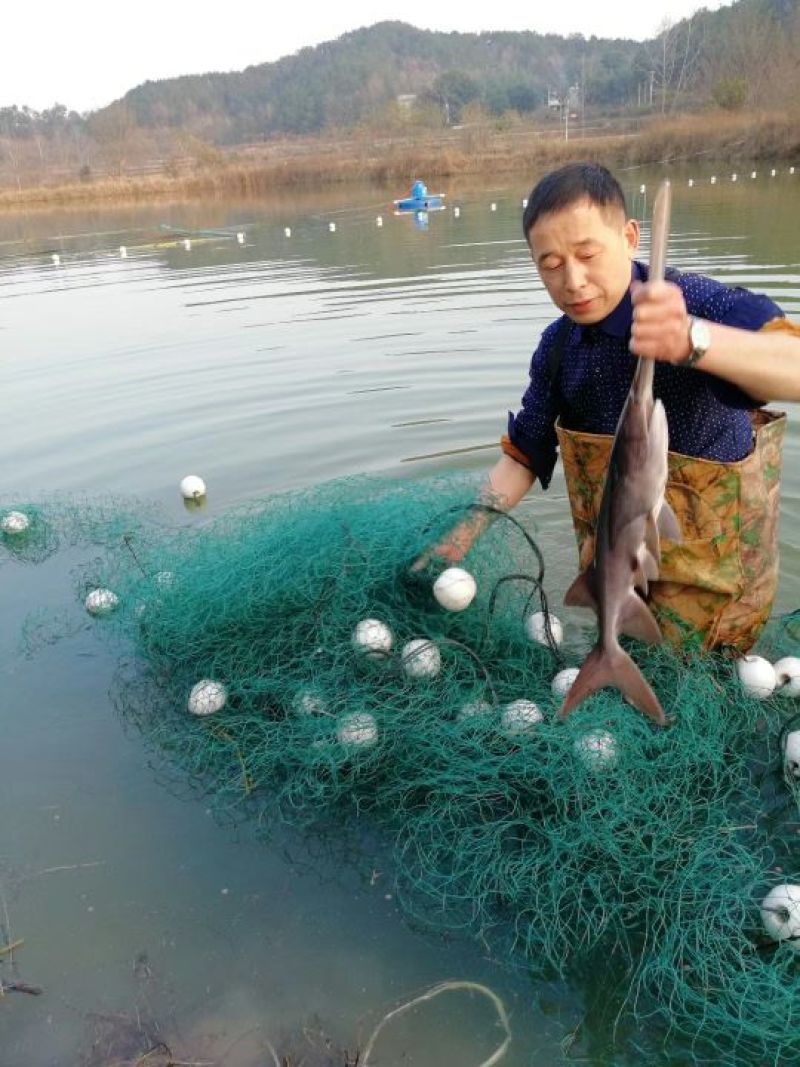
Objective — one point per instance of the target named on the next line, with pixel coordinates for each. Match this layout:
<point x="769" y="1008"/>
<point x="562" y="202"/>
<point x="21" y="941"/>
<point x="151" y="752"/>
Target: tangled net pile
<point x="650" y="851"/>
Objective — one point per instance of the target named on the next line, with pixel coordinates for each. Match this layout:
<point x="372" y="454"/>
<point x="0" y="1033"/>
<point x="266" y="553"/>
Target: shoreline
<point x="476" y="151"/>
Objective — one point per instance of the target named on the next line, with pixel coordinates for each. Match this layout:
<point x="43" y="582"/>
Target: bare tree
<point x="671" y="58"/>
<point x="748" y="52"/>
<point x="115" y="130"/>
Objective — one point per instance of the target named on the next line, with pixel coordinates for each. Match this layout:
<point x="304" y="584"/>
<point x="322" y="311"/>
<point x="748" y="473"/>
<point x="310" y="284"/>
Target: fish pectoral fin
<point x="668" y="524"/>
<point x="613" y="667"/>
<point x="637" y="620"/>
<point x="652" y="540"/>
<point x="645" y="570"/>
<point x="640" y="578"/>
<point x="648" y="563"/>
<point x="581" y="593"/>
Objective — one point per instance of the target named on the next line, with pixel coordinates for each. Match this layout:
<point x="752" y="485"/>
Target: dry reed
<point x="477" y="150"/>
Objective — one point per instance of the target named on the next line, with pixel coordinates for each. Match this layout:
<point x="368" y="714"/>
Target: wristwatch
<point x="700" y="340"/>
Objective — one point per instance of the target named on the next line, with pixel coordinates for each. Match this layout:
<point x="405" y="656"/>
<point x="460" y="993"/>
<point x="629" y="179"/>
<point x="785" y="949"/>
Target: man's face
<point x="583" y="255"/>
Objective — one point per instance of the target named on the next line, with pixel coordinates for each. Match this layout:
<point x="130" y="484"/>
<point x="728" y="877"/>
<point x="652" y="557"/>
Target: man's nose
<point x="574" y="276"/>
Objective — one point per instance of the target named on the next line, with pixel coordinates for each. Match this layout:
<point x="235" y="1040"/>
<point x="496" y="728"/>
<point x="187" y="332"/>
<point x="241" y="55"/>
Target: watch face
<point x="700" y="336"/>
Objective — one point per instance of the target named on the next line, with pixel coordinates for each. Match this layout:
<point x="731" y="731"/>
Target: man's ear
<point x="632" y="235"/>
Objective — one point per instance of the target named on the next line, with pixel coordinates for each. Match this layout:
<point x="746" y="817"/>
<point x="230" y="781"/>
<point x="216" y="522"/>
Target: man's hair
<point x="566" y="186"/>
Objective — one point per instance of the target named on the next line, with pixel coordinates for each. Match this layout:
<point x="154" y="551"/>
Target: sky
<point x="85" y="53"/>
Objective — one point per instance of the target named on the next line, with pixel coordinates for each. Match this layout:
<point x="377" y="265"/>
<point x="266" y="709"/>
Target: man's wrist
<point x="699" y="341"/>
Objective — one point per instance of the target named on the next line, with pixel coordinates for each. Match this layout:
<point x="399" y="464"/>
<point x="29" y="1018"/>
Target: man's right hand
<point x="508" y="483"/>
<point x="447" y="551"/>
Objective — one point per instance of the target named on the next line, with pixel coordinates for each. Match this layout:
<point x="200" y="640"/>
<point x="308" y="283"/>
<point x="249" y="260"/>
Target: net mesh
<point x="601" y="842"/>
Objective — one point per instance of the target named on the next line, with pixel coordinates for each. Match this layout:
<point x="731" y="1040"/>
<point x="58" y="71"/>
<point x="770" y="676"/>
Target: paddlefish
<point x="632" y="518"/>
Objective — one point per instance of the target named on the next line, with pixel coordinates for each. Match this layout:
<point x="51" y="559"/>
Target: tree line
<point x="392" y="75"/>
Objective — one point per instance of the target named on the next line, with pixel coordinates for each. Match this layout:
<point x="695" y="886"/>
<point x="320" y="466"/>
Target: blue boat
<point x="420" y="199"/>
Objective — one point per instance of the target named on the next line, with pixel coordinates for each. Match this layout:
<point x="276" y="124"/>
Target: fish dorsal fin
<point x="636" y="620"/>
<point x="581" y="593"/>
<point x="668" y="524"/>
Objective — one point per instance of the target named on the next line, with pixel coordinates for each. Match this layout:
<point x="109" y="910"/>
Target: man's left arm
<point x="764" y="363"/>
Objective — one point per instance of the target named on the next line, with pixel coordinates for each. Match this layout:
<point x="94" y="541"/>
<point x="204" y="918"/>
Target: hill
<point x="734" y="56"/>
<point x="371" y="101"/>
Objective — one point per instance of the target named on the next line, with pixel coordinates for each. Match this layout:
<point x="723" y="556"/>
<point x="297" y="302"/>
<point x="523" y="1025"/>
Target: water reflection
<point x="265" y="365"/>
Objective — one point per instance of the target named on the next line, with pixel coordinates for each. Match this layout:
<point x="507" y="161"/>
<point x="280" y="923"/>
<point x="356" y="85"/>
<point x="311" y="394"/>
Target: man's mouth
<point x="581" y="305"/>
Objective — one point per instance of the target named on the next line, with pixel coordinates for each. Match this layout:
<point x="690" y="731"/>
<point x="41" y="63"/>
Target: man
<point x="721" y="354"/>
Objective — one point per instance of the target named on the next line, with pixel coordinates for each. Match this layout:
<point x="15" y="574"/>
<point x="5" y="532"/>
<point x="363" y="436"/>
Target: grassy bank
<point x="475" y="150"/>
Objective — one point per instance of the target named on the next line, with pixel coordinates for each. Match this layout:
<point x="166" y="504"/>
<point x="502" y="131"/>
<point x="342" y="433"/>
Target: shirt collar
<point x="618" y="323"/>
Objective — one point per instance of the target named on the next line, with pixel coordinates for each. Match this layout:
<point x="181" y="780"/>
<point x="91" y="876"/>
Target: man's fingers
<point x="654" y="291"/>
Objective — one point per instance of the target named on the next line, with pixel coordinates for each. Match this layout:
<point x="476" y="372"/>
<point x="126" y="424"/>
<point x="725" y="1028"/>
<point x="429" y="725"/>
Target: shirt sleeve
<point x="531" y="431"/>
<point x="731" y="306"/>
<point x="749" y="311"/>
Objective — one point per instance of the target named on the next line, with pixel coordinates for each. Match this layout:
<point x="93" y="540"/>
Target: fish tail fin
<point x="612" y="666"/>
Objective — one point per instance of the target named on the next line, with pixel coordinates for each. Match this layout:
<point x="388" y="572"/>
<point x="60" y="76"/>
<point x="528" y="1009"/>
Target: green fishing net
<point x="599" y="846"/>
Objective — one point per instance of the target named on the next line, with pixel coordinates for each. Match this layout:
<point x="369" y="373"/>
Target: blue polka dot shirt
<point x="707" y="417"/>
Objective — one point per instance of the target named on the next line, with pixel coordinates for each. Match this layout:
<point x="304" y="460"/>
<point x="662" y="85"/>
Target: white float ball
<point x="791" y="754"/>
<point x="455" y="589"/>
<point x="358" y="730"/>
<point x="597" y="750"/>
<point x="780" y="913"/>
<point x="787" y="676"/>
<point x="307" y="702"/>
<point x="101" y="602"/>
<point x="193" y="487"/>
<point x="421" y="658"/>
<point x="536" y="630"/>
<point x="373" y="637"/>
<point x="206" y="697"/>
<point x="475" y="709"/>
<point x="563" y="682"/>
<point x="14" y="522"/>
<point x="520" y="717"/>
<point x="756" y="676"/>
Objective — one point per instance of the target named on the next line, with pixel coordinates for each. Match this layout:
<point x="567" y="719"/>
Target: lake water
<point x="265" y="366"/>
